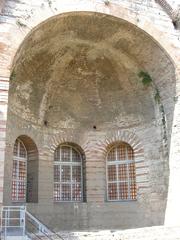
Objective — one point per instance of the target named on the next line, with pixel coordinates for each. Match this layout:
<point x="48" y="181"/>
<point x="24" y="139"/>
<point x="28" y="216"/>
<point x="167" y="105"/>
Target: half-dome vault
<point x="71" y="74"/>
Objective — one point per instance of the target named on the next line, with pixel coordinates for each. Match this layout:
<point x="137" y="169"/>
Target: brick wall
<point x="16" y="21"/>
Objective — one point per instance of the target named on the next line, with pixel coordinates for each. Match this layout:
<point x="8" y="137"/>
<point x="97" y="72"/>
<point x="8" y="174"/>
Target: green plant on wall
<point x="175" y="98"/>
<point x="163" y="122"/>
<point x="147" y="81"/>
<point x="13" y="75"/>
<point x="145" y="77"/>
<point x="157" y="96"/>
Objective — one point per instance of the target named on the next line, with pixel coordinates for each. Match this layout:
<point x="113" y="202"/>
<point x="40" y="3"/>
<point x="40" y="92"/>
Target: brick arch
<point x="29" y="143"/>
<point x="114" y="9"/>
<point x="131" y="139"/>
<point x="71" y="139"/>
<point x="122" y="136"/>
<point x="26" y="136"/>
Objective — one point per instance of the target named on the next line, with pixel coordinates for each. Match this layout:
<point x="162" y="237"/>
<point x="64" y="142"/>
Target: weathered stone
<point x="74" y="78"/>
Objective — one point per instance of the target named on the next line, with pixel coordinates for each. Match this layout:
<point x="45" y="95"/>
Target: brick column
<point x="4" y="86"/>
<point x="95" y="177"/>
<point x="46" y="179"/>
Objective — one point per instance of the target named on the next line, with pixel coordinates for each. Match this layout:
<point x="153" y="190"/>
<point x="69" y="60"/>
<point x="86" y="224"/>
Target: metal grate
<point x="67" y="174"/>
<point x="121" y="176"/>
<point x="18" y="223"/>
<point x="12" y="222"/>
<point x="19" y="172"/>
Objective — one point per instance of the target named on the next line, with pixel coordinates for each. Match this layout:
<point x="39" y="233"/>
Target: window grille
<point x="68" y="182"/>
<point x="121" y="176"/>
<point x="19" y="172"/>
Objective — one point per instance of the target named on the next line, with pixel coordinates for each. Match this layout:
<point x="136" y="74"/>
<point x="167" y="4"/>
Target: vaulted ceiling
<point x="82" y="69"/>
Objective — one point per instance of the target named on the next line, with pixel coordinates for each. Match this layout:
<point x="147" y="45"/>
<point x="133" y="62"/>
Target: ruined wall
<point x="91" y="79"/>
<point x="17" y="21"/>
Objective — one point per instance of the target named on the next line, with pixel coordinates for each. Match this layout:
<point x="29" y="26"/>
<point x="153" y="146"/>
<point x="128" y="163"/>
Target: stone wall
<point x="96" y="212"/>
<point x="19" y="19"/>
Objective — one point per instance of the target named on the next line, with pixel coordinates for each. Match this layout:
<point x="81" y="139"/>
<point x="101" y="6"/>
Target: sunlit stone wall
<point x="18" y="18"/>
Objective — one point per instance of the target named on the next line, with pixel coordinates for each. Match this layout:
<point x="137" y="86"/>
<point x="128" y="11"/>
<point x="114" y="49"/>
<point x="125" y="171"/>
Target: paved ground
<point x="150" y="233"/>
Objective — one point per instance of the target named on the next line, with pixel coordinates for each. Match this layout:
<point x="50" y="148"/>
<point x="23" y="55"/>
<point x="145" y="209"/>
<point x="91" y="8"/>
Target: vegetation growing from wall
<point x="147" y="81"/>
<point x="13" y="75"/>
<point x="145" y="77"/>
<point x="157" y="96"/>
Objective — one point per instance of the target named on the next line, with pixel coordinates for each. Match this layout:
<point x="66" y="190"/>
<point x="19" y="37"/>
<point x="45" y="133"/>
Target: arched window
<point x="121" y="176"/>
<point x="68" y="178"/>
<point x="19" y="172"/>
<point x="25" y="170"/>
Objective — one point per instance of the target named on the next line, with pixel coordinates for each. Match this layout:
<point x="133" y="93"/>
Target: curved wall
<point x="18" y="19"/>
<point x="75" y="79"/>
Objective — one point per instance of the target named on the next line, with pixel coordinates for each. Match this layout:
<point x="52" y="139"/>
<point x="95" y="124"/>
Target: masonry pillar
<point x="4" y="86"/>
<point x="95" y="170"/>
<point x="45" y="187"/>
<point x="6" y="52"/>
<point x="173" y="201"/>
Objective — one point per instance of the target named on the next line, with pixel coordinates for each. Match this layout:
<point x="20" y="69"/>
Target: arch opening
<point x="79" y="70"/>
<point x="69" y="174"/>
<point x="121" y="173"/>
<point x="24" y="171"/>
